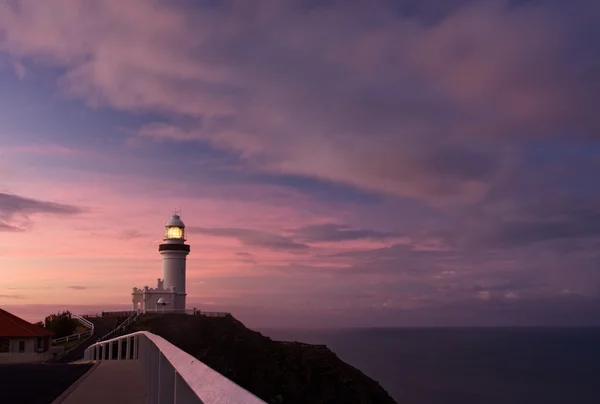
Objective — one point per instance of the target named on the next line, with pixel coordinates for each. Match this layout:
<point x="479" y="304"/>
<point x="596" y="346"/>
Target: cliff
<point x="277" y="372"/>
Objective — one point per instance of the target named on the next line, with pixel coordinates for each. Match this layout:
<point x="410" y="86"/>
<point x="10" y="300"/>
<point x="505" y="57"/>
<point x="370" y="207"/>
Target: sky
<point x="338" y="163"/>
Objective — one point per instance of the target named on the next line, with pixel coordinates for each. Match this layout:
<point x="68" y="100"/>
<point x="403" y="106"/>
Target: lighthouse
<point x="169" y="294"/>
<point x="174" y="252"/>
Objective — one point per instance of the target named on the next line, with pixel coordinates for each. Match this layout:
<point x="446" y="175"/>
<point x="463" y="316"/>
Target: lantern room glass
<point x="174" y="232"/>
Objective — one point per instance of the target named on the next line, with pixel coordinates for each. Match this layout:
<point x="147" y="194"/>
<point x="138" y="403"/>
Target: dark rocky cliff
<point x="277" y="372"/>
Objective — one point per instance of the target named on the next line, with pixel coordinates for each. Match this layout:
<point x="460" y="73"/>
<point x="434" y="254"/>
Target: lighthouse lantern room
<point x="169" y="294"/>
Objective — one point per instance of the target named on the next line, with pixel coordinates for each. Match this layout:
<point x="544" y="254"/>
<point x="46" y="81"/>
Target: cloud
<point x="129" y="234"/>
<point x="484" y="295"/>
<point x="19" y="69"/>
<point x="337" y="232"/>
<point x="16" y="297"/>
<point x="14" y="205"/>
<point x="369" y="96"/>
<point x="76" y="287"/>
<point x="45" y="149"/>
<point x="253" y="238"/>
<point x="545" y="218"/>
<point x="4" y="227"/>
<point x="246" y="258"/>
<point x="300" y="238"/>
<point x="244" y="254"/>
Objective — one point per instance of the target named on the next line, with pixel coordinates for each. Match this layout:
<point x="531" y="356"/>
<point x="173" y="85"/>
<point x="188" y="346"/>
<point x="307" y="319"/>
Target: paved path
<point x="111" y="382"/>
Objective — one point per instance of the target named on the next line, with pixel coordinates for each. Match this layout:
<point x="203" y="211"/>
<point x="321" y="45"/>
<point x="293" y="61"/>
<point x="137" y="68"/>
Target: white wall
<point x="29" y="345"/>
<point x="14" y="356"/>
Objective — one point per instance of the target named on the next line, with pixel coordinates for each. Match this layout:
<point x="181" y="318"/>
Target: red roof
<point x="13" y="326"/>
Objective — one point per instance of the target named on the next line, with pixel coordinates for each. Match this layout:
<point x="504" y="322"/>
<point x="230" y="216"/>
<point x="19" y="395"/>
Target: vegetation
<point x="277" y="372"/>
<point x="61" y="324"/>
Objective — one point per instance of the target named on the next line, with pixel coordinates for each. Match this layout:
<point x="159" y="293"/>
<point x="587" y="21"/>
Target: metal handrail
<point x="124" y="324"/>
<point x="84" y="321"/>
<point x="171" y="375"/>
<point x="71" y="337"/>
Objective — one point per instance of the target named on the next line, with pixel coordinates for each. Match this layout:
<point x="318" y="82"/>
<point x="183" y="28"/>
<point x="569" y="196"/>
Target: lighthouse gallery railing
<point x="171" y="375"/>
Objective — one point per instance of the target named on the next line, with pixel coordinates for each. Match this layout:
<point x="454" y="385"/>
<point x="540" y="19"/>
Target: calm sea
<point x="470" y="365"/>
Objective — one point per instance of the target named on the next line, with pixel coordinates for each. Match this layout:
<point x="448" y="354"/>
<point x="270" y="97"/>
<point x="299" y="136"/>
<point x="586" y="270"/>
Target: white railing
<point x="80" y="335"/>
<point x="195" y="312"/>
<point x="84" y="321"/>
<point x="73" y="337"/>
<point x="171" y="375"/>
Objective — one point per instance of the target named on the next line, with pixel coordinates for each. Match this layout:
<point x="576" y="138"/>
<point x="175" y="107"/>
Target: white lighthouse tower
<point x="169" y="294"/>
<point x="174" y="252"/>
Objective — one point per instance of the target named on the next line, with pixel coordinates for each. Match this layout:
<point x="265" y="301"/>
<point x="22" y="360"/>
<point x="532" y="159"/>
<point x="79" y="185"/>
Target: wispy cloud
<point x="337" y="232"/>
<point x="48" y="149"/>
<point x="15" y="205"/>
<point x="253" y="238"/>
<point x="4" y="227"/>
<point x="16" y="297"/>
<point x="78" y="287"/>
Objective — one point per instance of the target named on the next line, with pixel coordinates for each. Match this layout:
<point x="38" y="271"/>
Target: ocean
<point x="470" y="365"/>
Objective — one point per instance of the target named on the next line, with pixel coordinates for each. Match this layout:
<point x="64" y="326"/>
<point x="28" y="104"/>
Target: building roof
<point x="13" y="326"/>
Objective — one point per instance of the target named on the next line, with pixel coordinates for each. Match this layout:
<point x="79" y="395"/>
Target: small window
<point x="21" y="346"/>
<point x="40" y="343"/>
<point x="4" y="345"/>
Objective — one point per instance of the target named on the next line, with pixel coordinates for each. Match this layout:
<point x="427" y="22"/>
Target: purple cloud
<point x="253" y="238"/>
<point x="12" y="205"/>
<point x="336" y="232"/>
<point x="303" y="101"/>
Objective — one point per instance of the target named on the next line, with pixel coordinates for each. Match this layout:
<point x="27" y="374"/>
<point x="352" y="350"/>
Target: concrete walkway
<point x="108" y="382"/>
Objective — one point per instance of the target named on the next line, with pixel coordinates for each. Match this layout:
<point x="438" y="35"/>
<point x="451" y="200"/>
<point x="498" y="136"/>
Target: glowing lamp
<point x="174" y="232"/>
<point x="175" y="229"/>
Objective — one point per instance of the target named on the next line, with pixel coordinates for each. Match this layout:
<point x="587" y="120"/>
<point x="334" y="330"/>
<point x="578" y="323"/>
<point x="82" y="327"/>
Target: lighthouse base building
<point x="169" y="294"/>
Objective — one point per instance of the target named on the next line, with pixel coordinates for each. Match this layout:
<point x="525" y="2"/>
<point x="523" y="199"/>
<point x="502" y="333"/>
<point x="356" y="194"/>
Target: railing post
<point x="110" y="350"/>
<point x="119" y="349"/>
<point x="152" y="367"/>
<point x="128" y="348"/>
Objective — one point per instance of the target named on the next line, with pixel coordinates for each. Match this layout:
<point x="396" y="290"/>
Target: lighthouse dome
<point x="175" y="220"/>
